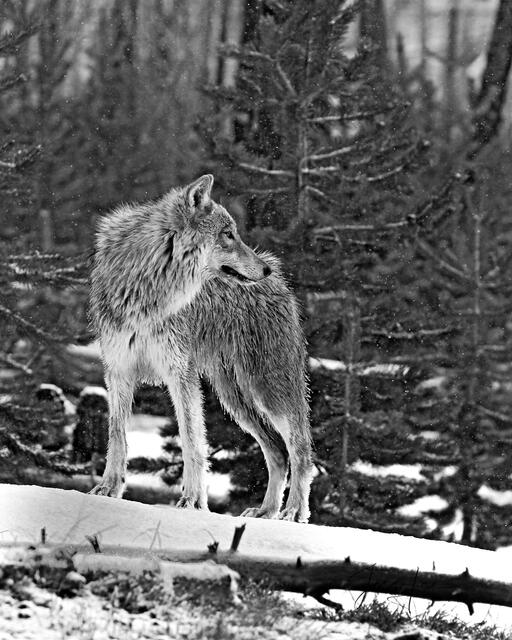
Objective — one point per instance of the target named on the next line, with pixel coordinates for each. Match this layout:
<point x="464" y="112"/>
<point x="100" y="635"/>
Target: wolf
<point x="176" y="295"/>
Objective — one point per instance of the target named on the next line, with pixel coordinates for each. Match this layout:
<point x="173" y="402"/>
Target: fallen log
<point x="310" y="577"/>
<point x="318" y="577"/>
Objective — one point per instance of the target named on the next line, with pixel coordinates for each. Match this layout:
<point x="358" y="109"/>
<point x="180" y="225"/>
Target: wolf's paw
<point x="259" y="512"/>
<point x="112" y="487"/>
<point x="294" y="514"/>
<point x="186" y="502"/>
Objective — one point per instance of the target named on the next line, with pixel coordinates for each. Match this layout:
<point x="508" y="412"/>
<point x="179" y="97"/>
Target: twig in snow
<point x="156" y="535"/>
<point x="213" y="546"/>
<point x="237" y="536"/>
<point x="95" y="544"/>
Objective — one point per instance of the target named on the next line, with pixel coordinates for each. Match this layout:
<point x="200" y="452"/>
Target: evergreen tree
<point x="124" y="148"/>
<point x="465" y="269"/>
<point x="28" y="341"/>
<point x="323" y="147"/>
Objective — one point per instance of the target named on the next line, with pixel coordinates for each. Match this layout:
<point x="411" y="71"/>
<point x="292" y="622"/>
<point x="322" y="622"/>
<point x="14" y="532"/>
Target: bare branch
<point x="333" y="154"/>
<point x="28" y="326"/>
<point x="413" y="335"/>
<point x="268" y="172"/>
<point x="363" y="178"/>
<point x="267" y="192"/>
<point x="286" y="81"/>
<point x="11" y="362"/>
<point x="423" y="246"/>
<point x="497" y="415"/>
<point x="355" y="115"/>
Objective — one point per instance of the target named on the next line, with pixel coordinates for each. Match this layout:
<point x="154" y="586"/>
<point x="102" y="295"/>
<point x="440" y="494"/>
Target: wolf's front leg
<point x="120" y="396"/>
<point x="188" y="405"/>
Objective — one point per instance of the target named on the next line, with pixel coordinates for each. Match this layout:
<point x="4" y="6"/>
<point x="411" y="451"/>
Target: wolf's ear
<point x="199" y="191"/>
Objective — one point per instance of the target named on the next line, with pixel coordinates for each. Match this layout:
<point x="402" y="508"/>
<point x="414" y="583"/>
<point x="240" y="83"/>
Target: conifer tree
<point x="466" y="266"/>
<point x="124" y="147"/>
<point x="323" y="147"/>
<point x="26" y="341"/>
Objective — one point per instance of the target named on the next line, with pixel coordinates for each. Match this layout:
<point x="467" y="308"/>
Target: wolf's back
<point x="251" y="332"/>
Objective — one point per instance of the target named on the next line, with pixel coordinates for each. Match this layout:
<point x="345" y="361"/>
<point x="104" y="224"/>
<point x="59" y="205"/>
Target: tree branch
<point x="355" y="115"/>
<point x="268" y="172"/>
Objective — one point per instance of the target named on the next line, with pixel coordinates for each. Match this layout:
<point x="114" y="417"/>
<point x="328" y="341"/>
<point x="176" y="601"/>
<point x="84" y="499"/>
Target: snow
<point x="143" y="435"/>
<point x="446" y="472"/>
<point x="325" y="363"/>
<point x="218" y="484"/>
<point x="143" y="439"/>
<point x="68" y="406"/>
<point x="411" y="471"/>
<point x="94" y="391"/>
<point x="437" y="384"/>
<point x="423" y="505"/>
<point x="382" y="369"/>
<point x="454" y="528"/>
<point x="146" y="422"/>
<point x="91" y="351"/>
<point x="144" y="444"/>
<point x="499" y="498"/>
<point x="430" y="435"/>
<point x="130" y="528"/>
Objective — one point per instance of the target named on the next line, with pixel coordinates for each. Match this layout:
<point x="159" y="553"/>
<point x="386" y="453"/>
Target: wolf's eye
<point x="228" y="234"/>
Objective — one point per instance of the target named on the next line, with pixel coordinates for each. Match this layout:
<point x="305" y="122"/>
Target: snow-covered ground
<point x="68" y="516"/>
<point x="143" y="438"/>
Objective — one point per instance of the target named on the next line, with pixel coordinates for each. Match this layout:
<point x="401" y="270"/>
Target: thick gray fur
<point x="176" y="295"/>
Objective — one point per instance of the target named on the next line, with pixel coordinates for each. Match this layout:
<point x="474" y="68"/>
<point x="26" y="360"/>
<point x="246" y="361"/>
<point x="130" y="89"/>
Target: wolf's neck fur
<point x="149" y="266"/>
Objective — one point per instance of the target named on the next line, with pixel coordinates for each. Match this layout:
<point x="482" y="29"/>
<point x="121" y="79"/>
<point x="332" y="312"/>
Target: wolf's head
<point x="215" y="232"/>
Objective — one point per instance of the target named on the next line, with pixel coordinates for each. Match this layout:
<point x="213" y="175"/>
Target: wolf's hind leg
<point x="120" y="387"/>
<point x="188" y="405"/>
<point x="277" y="465"/>
<point x="294" y="429"/>
<point x="298" y="442"/>
<point x="271" y="443"/>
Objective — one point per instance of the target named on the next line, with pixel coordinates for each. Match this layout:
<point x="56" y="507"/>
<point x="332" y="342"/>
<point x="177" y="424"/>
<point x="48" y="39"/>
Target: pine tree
<point x="323" y="146"/>
<point x="27" y="341"/>
<point x="125" y="113"/>
<point x="466" y="268"/>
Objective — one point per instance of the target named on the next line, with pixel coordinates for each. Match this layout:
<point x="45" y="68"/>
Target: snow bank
<point x="69" y="516"/>
<point x="128" y="528"/>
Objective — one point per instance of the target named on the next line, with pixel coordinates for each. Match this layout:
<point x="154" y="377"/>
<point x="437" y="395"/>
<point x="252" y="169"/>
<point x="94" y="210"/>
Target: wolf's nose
<point x="267" y="270"/>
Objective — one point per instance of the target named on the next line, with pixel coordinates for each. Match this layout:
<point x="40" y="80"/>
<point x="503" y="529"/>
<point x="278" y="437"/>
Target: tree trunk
<point x="489" y="102"/>
<point x="233" y="29"/>
<point x="313" y="577"/>
<point x="351" y="349"/>
<point x="373" y="26"/>
<point x="450" y="97"/>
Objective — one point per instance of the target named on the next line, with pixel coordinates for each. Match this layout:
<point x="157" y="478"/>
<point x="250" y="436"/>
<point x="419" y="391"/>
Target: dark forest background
<point x="368" y="146"/>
